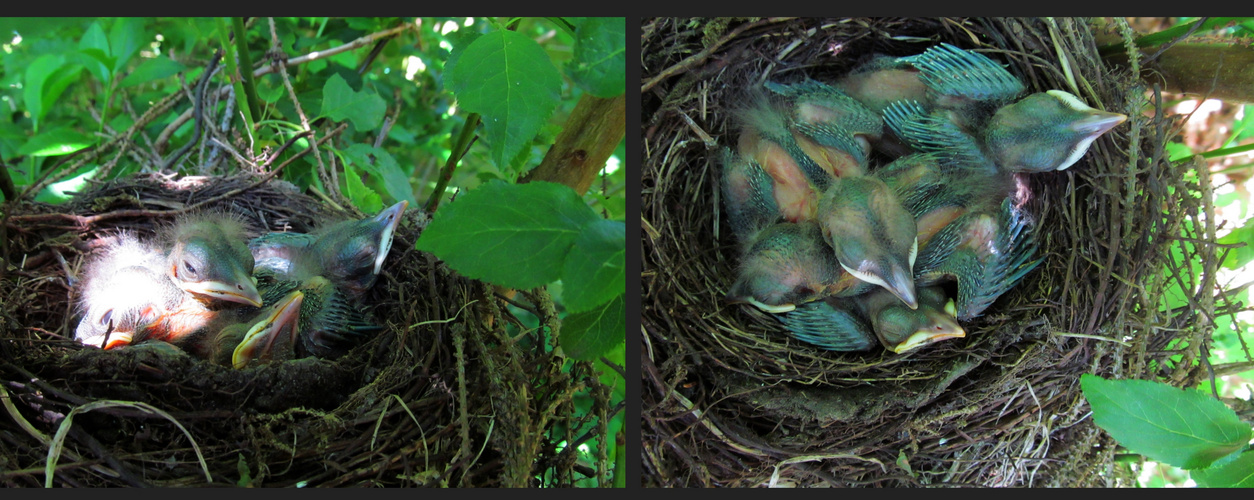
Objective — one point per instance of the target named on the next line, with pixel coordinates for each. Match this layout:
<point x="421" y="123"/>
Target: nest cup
<point x="439" y="397"/>
<point x="730" y="400"/>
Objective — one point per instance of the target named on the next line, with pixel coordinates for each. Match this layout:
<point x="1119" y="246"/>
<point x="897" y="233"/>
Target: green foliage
<point x="590" y="334"/>
<point x="515" y="235"/>
<point x="1184" y="428"/>
<point x="365" y="108"/>
<point x="507" y="78"/>
<point x="1238" y="474"/>
<point x="75" y="83"/>
<point x="599" y="66"/>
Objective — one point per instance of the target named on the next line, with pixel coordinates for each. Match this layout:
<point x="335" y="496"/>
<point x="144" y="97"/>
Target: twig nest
<point x="731" y="400"/>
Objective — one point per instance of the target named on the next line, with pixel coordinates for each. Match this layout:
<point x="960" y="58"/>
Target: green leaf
<point x="37" y="74"/>
<point x="596" y="271"/>
<point x="1239" y="256"/>
<point x="1184" y="428"/>
<point x="61" y="192"/>
<point x="363" y="197"/>
<point x="125" y="39"/>
<point x="339" y="102"/>
<point x="152" y="70"/>
<point x="510" y="81"/>
<point x="600" y="60"/>
<point x="96" y="62"/>
<point x="512" y="235"/>
<point x="55" y="142"/>
<point x="95" y="38"/>
<point x="1238" y="474"/>
<point x="381" y="164"/>
<point x="588" y="335"/>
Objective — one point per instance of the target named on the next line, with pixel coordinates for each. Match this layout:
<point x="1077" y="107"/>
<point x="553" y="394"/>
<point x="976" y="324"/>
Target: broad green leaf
<point x="515" y="235"/>
<point x="97" y="63"/>
<point x="365" y="109"/>
<point x="37" y="74"/>
<point x="57" y="82"/>
<point x="363" y="197"/>
<point x="511" y="82"/>
<point x="152" y="70"/>
<point x="61" y="192"/>
<point x="94" y="38"/>
<point x="381" y="165"/>
<point x="1241" y="255"/>
<point x="1237" y="474"/>
<point x="600" y="60"/>
<point x="1184" y="428"/>
<point x="596" y="270"/>
<point x="55" y="142"/>
<point x="589" y="335"/>
<point x="125" y="39"/>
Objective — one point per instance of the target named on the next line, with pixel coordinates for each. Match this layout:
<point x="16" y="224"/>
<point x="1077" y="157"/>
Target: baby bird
<point x="349" y="253"/>
<point x="789" y="264"/>
<point x="266" y="334"/>
<point x="1043" y="132"/>
<point x="123" y="286"/>
<point x="873" y="236"/>
<point x="835" y="129"/>
<point x="986" y="252"/>
<point x="207" y="256"/>
<point x="748" y="196"/>
<point x="856" y="323"/>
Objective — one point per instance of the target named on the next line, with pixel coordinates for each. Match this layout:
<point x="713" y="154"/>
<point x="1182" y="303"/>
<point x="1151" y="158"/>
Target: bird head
<point x="1045" y="131"/>
<point x="208" y="256"/>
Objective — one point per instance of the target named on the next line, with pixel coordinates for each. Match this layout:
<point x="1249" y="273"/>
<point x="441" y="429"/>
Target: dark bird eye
<point x="189" y="267"/>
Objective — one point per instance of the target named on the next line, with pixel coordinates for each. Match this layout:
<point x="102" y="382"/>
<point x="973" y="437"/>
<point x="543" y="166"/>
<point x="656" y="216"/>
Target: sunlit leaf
<point x="1238" y="474"/>
<point x="1184" y="428"/>
<point x="56" y="142"/>
<point x="61" y="192"/>
<point x="125" y="38"/>
<point x="363" y="197"/>
<point x="37" y="74"/>
<point x="381" y="165"/>
<point x="510" y="81"/>
<point x="515" y="235"/>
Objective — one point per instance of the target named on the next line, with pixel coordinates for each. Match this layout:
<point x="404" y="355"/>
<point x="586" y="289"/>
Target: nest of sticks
<point x="730" y="400"/>
<point x="444" y="395"/>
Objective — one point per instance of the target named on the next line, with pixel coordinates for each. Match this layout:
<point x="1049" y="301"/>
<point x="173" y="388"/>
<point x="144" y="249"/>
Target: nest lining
<point x="443" y="396"/>
<point x="731" y="400"/>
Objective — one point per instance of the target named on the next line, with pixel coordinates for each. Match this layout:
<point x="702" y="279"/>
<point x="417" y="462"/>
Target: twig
<point x="701" y="56"/>
<point x="459" y="149"/>
<point x="331" y="182"/>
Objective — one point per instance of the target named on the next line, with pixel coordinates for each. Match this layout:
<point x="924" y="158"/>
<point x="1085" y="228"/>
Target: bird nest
<point x="730" y="400"/>
<point x="444" y="395"/>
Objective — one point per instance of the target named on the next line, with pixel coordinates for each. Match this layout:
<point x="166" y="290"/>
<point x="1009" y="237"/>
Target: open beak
<point x="242" y="289"/>
<point x="389" y="219"/>
<point x="259" y="342"/>
<point x="942" y="327"/>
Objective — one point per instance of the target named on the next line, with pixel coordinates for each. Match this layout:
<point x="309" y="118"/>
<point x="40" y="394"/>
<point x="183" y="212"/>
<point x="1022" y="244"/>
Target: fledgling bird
<point x="349" y="253"/>
<point x="331" y="322"/>
<point x="943" y="77"/>
<point x="900" y="329"/>
<point x="748" y="196"/>
<point x="857" y="323"/>
<point x="766" y="139"/>
<point x="835" y="130"/>
<point x="267" y="334"/>
<point x="207" y="255"/>
<point x="789" y="264"/>
<point x="873" y="236"/>
<point x="986" y="252"/>
<point x="198" y="258"/>
<point x="1043" y="132"/>
<point x="123" y="286"/>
